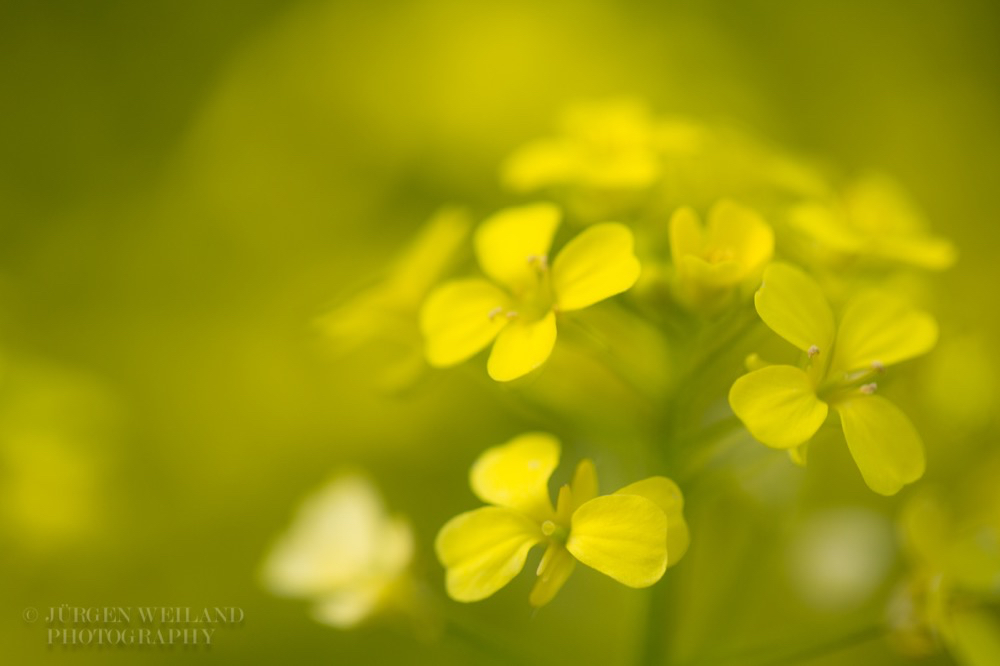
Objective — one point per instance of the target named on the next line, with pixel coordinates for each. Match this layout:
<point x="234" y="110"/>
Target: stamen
<point x="511" y="314"/>
<point x="812" y="351"/>
<point x="877" y="366"/>
<point x="869" y="389"/>
<point x="495" y="312"/>
<point x="548" y="528"/>
<point x="539" y="261"/>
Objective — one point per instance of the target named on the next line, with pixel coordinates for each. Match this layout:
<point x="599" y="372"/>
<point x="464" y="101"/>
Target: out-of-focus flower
<point x="631" y="535"/>
<point x="345" y="553"/>
<point x="874" y="218"/>
<point x="711" y="260"/>
<point x="387" y="311"/>
<point x="462" y="317"/>
<point x="954" y="578"/>
<point x="783" y="406"/>
<point x="604" y="146"/>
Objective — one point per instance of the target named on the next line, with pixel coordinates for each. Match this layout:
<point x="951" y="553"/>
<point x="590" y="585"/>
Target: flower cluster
<point x="687" y="254"/>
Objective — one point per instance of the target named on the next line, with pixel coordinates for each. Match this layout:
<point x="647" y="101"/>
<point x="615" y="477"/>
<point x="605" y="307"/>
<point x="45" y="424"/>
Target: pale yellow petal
<point x="510" y="243"/>
<point x="885" y="445"/>
<point x="522" y="347"/>
<point x="740" y="233"/>
<point x="778" y="405"/>
<point x="622" y="536"/>
<point x="556" y="566"/>
<point x="595" y="265"/>
<point x="665" y="494"/>
<point x="483" y="550"/>
<point x="793" y="306"/>
<point x="878" y="328"/>
<point x="460" y="318"/>
<point x="516" y="474"/>
<point x="540" y="164"/>
<point x="686" y="234"/>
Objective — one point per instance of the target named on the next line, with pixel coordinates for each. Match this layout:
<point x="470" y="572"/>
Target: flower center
<point x="849" y="384"/>
<point x="555" y="532"/>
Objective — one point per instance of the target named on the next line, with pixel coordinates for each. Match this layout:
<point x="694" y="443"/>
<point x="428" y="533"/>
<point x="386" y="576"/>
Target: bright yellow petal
<point x="883" y="442"/>
<point x="740" y="232"/>
<point x="622" y="536"/>
<point x="556" y="566"/>
<point x="483" y="550"/>
<point x="879" y="328"/>
<point x="516" y="474"/>
<point x="778" y="405"/>
<point x="511" y="242"/>
<point x="459" y="318"/>
<point x="595" y="265"/>
<point x="686" y="235"/>
<point x="793" y="306"/>
<point x="665" y="494"/>
<point x="522" y="347"/>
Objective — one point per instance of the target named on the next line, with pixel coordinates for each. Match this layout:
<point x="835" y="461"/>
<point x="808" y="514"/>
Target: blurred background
<point x="187" y="187"/>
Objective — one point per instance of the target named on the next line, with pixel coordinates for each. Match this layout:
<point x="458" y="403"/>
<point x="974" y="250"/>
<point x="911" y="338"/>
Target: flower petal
<point x="348" y="606"/>
<point x="665" y="494"/>
<point x="778" y="405"/>
<point x="483" y="550"/>
<point x="506" y="242"/>
<point x="521" y="348"/>
<point x="556" y="566"/>
<point x="622" y="536"/>
<point x="741" y="232"/>
<point x="879" y="328"/>
<point x="686" y="234"/>
<point x="793" y="306"/>
<point x="516" y="474"/>
<point x="595" y="265"/>
<point x="883" y="442"/>
<point x="460" y="318"/>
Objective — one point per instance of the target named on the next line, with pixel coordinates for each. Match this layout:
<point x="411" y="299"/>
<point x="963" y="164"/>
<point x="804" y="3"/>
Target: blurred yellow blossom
<point x="626" y="535"/>
<point x="711" y="260"/>
<point x="873" y="218"/>
<point x="344" y="553"/>
<point x="605" y="145"/>
<point x="783" y="406"/>
<point x="386" y="311"/>
<point x="462" y="317"/>
<point x="953" y="584"/>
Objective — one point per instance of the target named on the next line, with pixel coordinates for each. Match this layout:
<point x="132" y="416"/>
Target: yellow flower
<point x="783" y="406"/>
<point x="462" y="317"/>
<point x="626" y="535"/>
<point x="953" y="543"/>
<point x="344" y="552"/>
<point x="606" y="145"/>
<point x="710" y="261"/>
<point x="874" y="218"/>
<point x="386" y="311"/>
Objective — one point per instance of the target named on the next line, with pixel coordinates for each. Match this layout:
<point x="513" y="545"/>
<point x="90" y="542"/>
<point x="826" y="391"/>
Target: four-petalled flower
<point x="462" y="317"/>
<point x="632" y="535"/>
<point x="783" y="406"/>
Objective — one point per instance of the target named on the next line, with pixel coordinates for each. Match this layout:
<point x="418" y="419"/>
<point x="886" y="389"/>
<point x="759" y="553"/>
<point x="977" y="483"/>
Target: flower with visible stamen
<point x="632" y="535"/>
<point x="783" y="406"/>
<point x="462" y="317"/>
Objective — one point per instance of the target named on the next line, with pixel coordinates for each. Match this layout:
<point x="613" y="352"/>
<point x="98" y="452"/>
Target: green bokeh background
<point x="186" y="186"/>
